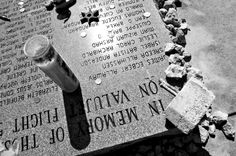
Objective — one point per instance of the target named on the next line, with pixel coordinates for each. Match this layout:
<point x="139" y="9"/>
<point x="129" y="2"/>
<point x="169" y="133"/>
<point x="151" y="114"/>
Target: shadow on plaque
<point x="76" y="119"/>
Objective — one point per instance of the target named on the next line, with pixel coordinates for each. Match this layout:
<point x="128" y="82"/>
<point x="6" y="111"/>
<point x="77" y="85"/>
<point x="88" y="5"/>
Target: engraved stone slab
<point x="117" y="60"/>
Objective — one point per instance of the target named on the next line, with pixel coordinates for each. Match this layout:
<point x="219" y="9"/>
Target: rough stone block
<point x="187" y="109"/>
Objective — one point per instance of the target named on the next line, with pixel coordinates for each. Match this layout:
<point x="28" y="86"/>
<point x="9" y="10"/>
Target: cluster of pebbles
<point x="213" y="121"/>
<point x="179" y="68"/>
<point x="180" y="71"/>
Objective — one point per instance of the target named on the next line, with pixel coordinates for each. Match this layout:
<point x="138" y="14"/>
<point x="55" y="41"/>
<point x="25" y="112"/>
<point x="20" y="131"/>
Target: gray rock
<point x="179" y="49"/>
<point x="169" y="47"/>
<point x="184" y="27"/>
<point x="219" y="118"/>
<point x="229" y="131"/>
<point x="205" y="123"/>
<point x="187" y="56"/>
<point x="175" y="71"/>
<point x="170" y="27"/>
<point x="163" y="12"/>
<point x="204" y="134"/>
<point x="194" y="72"/>
<point x="169" y="4"/>
<point x="172" y="18"/>
<point x="176" y="59"/>
<point x="212" y="129"/>
<point x="179" y="38"/>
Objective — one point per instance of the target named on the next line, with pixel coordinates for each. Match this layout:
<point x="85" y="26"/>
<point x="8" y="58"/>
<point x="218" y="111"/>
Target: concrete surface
<point x="212" y="43"/>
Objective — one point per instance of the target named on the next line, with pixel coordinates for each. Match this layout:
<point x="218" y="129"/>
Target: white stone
<point x="21" y="3"/>
<point x="219" y="117"/>
<point x="205" y="123"/>
<point x="22" y="9"/>
<point x="169" y="47"/>
<point x="176" y="59"/>
<point x="229" y="131"/>
<point x="98" y="81"/>
<point x="147" y="14"/>
<point x="112" y="6"/>
<point x="183" y="26"/>
<point x="204" y="134"/>
<point x="212" y="129"/>
<point x="83" y="34"/>
<point x="175" y="71"/>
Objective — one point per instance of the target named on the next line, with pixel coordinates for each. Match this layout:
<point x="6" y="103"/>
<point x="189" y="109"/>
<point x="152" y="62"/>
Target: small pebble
<point x="187" y="56"/>
<point x="147" y="14"/>
<point x="98" y="81"/>
<point x="212" y="129"/>
<point x="229" y="131"/>
<point x="169" y="47"/>
<point x="204" y="134"/>
<point x="175" y="71"/>
<point x="183" y="26"/>
<point x="21" y="3"/>
<point x="83" y="34"/>
<point x="219" y="117"/>
<point x="112" y="6"/>
<point x="176" y="59"/>
<point x="22" y="9"/>
<point x="205" y="123"/>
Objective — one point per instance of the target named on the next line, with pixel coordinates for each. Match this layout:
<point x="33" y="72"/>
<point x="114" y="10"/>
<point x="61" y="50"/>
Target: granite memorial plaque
<point x="115" y="49"/>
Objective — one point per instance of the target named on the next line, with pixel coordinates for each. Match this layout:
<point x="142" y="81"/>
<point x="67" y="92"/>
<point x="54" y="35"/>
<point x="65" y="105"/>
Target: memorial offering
<point x="47" y="59"/>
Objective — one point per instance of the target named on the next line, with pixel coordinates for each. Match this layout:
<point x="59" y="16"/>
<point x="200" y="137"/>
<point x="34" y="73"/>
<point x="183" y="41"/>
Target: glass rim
<point x="32" y="41"/>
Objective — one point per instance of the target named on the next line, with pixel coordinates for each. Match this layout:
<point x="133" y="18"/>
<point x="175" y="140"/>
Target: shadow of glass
<point x="76" y="119"/>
